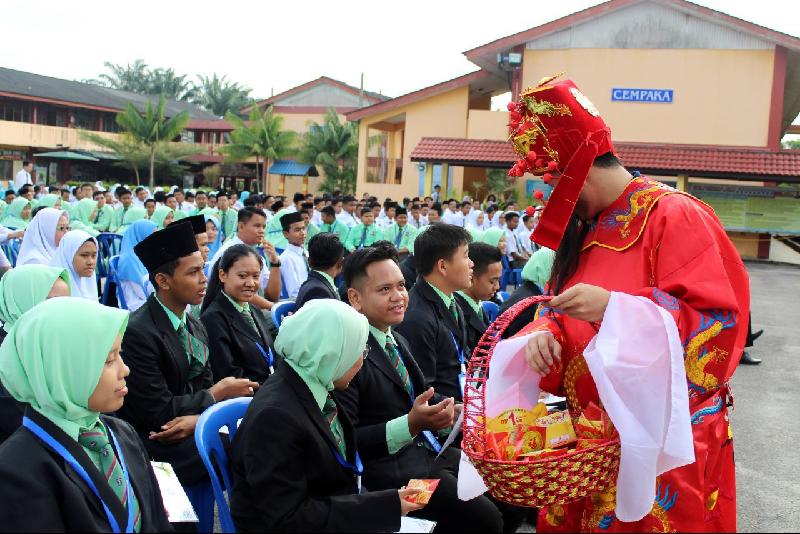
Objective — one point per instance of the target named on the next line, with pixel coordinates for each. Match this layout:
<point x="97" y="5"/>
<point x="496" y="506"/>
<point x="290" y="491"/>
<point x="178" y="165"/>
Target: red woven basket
<point x="536" y="483"/>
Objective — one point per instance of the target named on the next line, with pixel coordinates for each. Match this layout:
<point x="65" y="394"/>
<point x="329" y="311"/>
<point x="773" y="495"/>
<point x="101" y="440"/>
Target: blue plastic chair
<point x="212" y="451"/>
<point x="11" y="250"/>
<point x="516" y="277"/>
<point x="109" y="245"/>
<point x="502" y="296"/>
<point x="280" y="310"/>
<point x="112" y="279"/>
<point x="505" y="278"/>
<point x="491" y="310"/>
<point x="284" y="293"/>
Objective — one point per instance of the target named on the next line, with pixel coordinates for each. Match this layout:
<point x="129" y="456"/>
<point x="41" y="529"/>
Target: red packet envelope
<point x="426" y="486"/>
<point x="558" y="430"/>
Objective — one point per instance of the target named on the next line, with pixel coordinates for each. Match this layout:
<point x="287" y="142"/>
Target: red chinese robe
<point x="669" y="247"/>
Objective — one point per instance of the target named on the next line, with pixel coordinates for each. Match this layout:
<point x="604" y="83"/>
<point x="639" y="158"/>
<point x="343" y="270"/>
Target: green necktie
<point x="249" y="319"/>
<point x="96" y="440"/>
<point x="397" y="363"/>
<point x="331" y="414"/>
<point x="195" y="350"/>
<point x="453" y="308"/>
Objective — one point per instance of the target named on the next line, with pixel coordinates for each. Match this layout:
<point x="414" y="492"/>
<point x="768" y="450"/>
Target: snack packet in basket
<point x="556" y="429"/>
<point x="426" y="486"/>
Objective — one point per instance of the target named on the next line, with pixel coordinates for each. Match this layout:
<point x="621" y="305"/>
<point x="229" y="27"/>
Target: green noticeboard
<point x="762" y="211"/>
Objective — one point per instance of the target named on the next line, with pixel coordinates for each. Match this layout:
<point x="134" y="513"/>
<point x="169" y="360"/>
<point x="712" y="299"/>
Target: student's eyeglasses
<point x="63" y="228"/>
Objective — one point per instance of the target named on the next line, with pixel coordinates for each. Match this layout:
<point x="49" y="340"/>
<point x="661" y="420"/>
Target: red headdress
<point x="554" y="127"/>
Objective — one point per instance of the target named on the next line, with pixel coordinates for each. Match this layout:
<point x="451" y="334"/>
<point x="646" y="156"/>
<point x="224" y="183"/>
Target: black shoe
<point x="756" y="335"/>
<point x="747" y="359"/>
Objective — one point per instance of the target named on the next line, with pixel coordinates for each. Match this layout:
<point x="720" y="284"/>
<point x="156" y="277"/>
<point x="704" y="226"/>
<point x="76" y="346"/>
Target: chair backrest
<point x="280" y="310"/>
<point x="11" y="250"/>
<point x="284" y="292"/>
<point x="491" y="309"/>
<point x="212" y="451"/>
<point x="113" y="264"/>
<point x="109" y="245"/>
<point x="502" y="295"/>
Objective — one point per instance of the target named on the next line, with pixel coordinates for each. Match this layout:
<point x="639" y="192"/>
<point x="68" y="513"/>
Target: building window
<point x="86" y="119"/>
<point x="6" y="169"/>
<point x="51" y="116"/>
<point x="16" y="111"/>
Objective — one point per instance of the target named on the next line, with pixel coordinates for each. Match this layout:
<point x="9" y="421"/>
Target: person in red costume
<point x="617" y="231"/>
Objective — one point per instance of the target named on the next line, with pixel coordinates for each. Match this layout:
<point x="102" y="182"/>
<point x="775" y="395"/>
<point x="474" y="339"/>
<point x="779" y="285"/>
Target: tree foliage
<point x="262" y="137"/>
<point x="333" y="145"/>
<point x="219" y="95"/>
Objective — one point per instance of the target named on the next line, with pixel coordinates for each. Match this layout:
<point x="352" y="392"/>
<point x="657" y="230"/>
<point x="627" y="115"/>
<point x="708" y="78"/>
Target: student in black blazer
<point x="396" y="416"/>
<point x="171" y="382"/>
<point x="294" y="458"/>
<point x="239" y="338"/>
<point x="434" y="323"/>
<point x="487" y="269"/>
<point x="40" y="491"/>
<point x="325" y="257"/>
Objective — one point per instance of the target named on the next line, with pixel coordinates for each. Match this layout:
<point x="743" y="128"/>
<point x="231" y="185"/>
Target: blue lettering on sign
<point x="655" y="96"/>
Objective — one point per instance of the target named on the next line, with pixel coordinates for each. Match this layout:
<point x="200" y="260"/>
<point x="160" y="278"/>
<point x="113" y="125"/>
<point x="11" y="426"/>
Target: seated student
<point x="487" y="270"/>
<point x="83" y="215"/>
<point x="516" y="253"/>
<point x="126" y="201"/>
<point x="228" y="217"/>
<point x="18" y="214"/>
<point x="294" y="260"/>
<point x="307" y="211"/>
<point x="214" y="235"/>
<point x="20" y="290"/>
<point x="400" y="233"/>
<point x="434" y="324"/>
<point x="198" y="224"/>
<point x="364" y="234"/>
<point x="102" y="219"/>
<point x="167" y="350"/>
<point x="535" y="276"/>
<point x="325" y="257"/>
<point x="69" y="468"/>
<point x="150" y="207"/>
<point x="131" y="216"/>
<point x="77" y="253"/>
<point x="132" y="275"/>
<point x="42" y="237"/>
<point x="388" y="401"/>
<point x="250" y="231"/>
<point x="238" y="336"/>
<point x="331" y="224"/>
<point x="163" y="216"/>
<point x="293" y="458"/>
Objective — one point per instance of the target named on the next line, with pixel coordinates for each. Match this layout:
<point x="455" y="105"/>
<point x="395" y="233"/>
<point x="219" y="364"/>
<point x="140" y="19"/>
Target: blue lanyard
<point x="267" y="355"/>
<point x="459" y="350"/>
<point x="78" y="468"/>
<point x="357" y="469"/>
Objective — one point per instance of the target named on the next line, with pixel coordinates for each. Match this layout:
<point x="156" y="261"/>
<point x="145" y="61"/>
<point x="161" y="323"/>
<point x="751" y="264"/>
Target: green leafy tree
<point x="152" y="128"/>
<point x="793" y="144"/>
<point x="262" y="137"/>
<point x="221" y="96"/>
<point x="170" y="84"/>
<point x="134" y="77"/>
<point x="333" y="145"/>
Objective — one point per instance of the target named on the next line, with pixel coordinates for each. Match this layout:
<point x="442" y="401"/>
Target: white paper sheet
<point x="413" y="524"/>
<point x="176" y="503"/>
<point x="636" y="361"/>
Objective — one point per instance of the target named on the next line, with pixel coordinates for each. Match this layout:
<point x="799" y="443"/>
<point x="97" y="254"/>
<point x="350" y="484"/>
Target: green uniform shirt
<point x="336" y="227"/>
<point x="362" y="236"/>
<point x="401" y="238"/>
<point x="397" y="433"/>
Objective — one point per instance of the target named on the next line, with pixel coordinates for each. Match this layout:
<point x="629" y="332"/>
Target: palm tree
<point x="262" y="138"/>
<point x="152" y="128"/>
<point x="334" y="146"/>
<point x="220" y="96"/>
<point x="133" y="77"/>
<point x="167" y="82"/>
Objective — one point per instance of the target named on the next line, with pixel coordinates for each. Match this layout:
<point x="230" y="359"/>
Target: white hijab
<point x="472" y="219"/>
<point x="39" y="243"/>
<point x="84" y="287"/>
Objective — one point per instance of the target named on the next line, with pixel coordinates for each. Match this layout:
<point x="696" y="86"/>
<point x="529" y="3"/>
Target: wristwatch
<point x="273" y="265"/>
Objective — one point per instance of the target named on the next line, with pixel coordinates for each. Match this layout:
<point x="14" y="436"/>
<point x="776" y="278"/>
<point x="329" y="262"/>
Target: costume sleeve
<point x="698" y="277"/>
<point x="550" y="320"/>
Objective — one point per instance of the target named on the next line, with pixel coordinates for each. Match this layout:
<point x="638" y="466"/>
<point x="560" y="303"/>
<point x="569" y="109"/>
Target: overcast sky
<point x="275" y="45"/>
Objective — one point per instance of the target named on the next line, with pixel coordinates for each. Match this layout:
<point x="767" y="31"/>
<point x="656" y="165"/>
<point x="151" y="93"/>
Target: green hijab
<point x="24" y="287"/>
<point x="537" y="269"/>
<point x="492" y="236"/>
<point x="13" y="218"/>
<point x="477" y="235"/>
<point x="322" y="359"/>
<point x="49" y="200"/>
<point x="54" y="355"/>
<point x="160" y="214"/>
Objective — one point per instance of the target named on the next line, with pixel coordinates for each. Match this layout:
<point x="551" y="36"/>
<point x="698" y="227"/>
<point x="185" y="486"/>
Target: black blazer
<point x="409" y="269"/>
<point x="476" y="324"/>
<point x="40" y="493"/>
<point x="159" y="388"/>
<point x="232" y="341"/>
<point x="11" y="412"/>
<point x="315" y="287"/>
<point x="285" y="476"/>
<point x="375" y="396"/>
<point x="526" y="289"/>
<point x="428" y="326"/>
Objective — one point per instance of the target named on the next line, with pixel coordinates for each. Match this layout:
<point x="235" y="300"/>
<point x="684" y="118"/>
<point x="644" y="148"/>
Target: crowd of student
<point x="366" y="371"/>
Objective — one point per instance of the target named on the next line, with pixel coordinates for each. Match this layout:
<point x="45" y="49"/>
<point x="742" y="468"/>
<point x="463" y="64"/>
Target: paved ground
<point x="765" y="419"/>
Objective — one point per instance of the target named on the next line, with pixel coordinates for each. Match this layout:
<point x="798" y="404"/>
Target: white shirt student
<point x="294" y="268"/>
<point x="349" y="219"/>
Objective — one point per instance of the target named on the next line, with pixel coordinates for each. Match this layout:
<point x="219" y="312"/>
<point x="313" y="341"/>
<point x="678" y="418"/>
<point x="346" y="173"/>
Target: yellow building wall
<point x="23" y="134"/>
<point x="722" y="97"/>
<point x="487" y="125"/>
<point x="443" y="115"/>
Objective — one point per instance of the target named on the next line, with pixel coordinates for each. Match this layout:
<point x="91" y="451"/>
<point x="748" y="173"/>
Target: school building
<point x="693" y="96"/>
